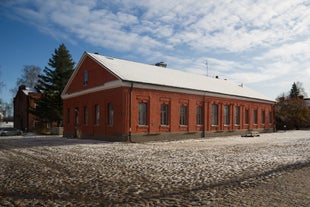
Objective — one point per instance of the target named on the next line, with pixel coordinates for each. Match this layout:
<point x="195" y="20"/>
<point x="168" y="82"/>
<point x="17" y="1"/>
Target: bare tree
<point x="1" y="83"/>
<point x="301" y="89"/>
<point x="291" y="110"/>
<point x="29" y="78"/>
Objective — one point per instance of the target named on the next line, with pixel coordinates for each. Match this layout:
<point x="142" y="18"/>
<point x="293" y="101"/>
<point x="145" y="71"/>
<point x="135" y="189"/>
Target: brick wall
<point x="97" y="76"/>
<point x="23" y="119"/>
<point x="120" y="99"/>
<point x="155" y="98"/>
<point x="75" y="108"/>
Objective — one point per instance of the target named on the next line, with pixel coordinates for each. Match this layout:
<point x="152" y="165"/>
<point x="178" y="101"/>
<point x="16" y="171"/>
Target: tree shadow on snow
<point x="15" y="142"/>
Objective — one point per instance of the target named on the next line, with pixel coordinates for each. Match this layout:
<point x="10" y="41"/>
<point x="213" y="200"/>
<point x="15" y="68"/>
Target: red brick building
<point x="113" y="99"/>
<point x="23" y="101"/>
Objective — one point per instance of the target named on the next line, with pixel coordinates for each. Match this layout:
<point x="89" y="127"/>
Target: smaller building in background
<point x="25" y="100"/>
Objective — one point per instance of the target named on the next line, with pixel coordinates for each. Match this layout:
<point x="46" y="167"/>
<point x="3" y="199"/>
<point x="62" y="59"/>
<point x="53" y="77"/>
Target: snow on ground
<point x="88" y="170"/>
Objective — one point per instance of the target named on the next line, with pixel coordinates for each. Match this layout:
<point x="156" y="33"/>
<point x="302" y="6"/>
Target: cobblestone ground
<point x="270" y="170"/>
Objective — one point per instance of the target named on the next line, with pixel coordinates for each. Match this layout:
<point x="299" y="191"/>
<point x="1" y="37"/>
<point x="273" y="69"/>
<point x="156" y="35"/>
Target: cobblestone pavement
<point x="290" y="187"/>
<point x="270" y="170"/>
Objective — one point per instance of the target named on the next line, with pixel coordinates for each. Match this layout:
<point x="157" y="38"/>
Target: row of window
<point x="164" y="121"/>
<point x="110" y="118"/>
<point x="199" y="116"/>
<point x="237" y="115"/>
<point x="164" y="115"/>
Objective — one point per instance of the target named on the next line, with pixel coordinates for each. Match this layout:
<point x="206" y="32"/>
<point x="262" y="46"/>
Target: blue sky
<point x="263" y="44"/>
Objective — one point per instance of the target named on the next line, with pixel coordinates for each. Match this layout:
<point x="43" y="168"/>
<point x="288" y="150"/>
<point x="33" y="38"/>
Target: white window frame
<point x="246" y="116"/>
<point x="215" y="115"/>
<point x="142" y="114"/>
<point x="164" y="108"/>
<point x="199" y="120"/>
<point x="226" y="115"/>
<point x="183" y="115"/>
<point x="255" y="118"/>
<point x="237" y="115"/>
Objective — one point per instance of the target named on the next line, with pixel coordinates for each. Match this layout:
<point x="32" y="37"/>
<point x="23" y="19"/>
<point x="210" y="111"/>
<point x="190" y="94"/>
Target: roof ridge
<point x="143" y="73"/>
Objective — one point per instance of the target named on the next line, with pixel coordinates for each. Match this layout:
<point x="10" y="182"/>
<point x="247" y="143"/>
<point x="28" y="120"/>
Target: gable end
<point x="87" y="75"/>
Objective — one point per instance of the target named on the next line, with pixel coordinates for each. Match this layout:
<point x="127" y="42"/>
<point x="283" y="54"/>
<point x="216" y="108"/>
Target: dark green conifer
<point x="51" y="84"/>
<point x="294" y="93"/>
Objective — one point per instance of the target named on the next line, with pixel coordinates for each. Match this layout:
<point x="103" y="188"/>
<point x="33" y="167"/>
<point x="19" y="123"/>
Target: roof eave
<point x="205" y="92"/>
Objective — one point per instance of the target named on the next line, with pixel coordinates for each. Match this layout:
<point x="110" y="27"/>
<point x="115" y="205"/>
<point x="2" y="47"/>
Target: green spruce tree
<point x="51" y="84"/>
<point x="294" y="93"/>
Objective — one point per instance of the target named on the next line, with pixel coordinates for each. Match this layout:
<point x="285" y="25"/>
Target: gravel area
<point x="270" y="170"/>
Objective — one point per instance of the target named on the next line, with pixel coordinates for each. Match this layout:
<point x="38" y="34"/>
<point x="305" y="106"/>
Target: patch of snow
<point x="121" y="170"/>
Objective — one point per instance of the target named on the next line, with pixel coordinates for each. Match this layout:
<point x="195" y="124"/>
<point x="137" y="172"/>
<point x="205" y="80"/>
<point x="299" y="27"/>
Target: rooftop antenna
<point x="207" y="67"/>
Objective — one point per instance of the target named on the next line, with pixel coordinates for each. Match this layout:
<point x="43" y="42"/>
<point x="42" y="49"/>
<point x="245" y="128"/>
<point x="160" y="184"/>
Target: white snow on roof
<point x="29" y="90"/>
<point x="151" y="74"/>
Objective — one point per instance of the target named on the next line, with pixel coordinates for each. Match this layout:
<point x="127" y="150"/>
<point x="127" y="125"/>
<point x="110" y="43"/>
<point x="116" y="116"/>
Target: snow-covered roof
<point x="28" y="90"/>
<point x="151" y="74"/>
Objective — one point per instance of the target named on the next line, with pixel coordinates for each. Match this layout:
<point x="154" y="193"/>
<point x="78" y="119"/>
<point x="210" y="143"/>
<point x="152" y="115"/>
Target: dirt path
<point x="272" y="170"/>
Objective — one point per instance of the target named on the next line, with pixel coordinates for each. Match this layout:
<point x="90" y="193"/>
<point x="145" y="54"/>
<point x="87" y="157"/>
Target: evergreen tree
<point x="294" y="93"/>
<point x="297" y="90"/>
<point x="51" y="84"/>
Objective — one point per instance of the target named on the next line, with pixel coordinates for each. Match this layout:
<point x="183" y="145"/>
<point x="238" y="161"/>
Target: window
<point x="199" y="115"/>
<point x="270" y="117"/>
<point x="142" y="114"/>
<point x="226" y="115"/>
<point x="255" y="116"/>
<point x="214" y="114"/>
<point x="164" y="114"/>
<point x="237" y="115"/>
<point x="183" y="115"/>
<point x="68" y="115"/>
<point x="110" y="114"/>
<point x="246" y="116"/>
<point x="97" y="114"/>
<point x="262" y="117"/>
<point x="85" y="115"/>
<point x="85" y="82"/>
<point x="76" y="112"/>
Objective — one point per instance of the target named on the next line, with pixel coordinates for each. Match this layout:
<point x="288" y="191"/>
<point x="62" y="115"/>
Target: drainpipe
<point x="203" y="115"/>
<point x="130" y="112"/>
<point x="27" y="114"/>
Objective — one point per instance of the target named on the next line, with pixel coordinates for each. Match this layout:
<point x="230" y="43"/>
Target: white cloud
<point x="289" y="52"/>
<point x="234" y="27"/>
<point x="247" y="41"/>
